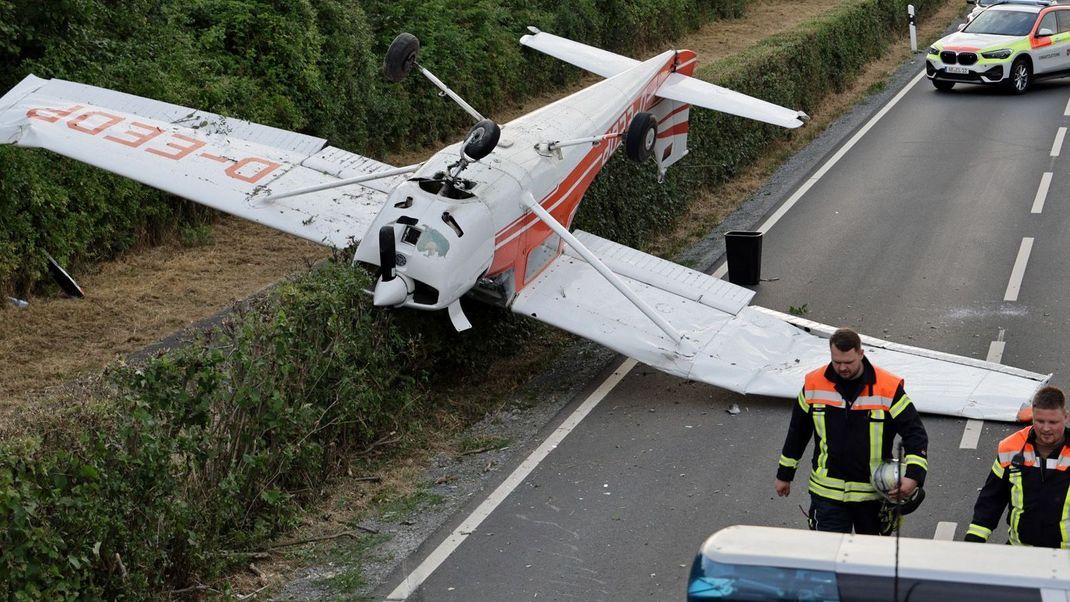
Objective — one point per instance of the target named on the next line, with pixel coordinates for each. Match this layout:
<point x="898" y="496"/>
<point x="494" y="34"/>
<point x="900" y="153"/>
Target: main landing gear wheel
<point x="641" y="136"/>
<point x="482" y="139"/>
<point x="1021" y="76"/>
<point x="943" y="85"/>
<point x="400" y="57"/>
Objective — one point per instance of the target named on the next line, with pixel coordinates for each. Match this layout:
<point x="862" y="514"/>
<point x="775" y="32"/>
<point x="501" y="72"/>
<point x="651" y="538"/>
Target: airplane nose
<point x="389" y="293"/>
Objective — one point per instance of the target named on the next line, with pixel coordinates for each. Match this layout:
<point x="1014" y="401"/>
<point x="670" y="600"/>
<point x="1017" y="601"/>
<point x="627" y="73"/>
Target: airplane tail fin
<point x="673" y="120"/>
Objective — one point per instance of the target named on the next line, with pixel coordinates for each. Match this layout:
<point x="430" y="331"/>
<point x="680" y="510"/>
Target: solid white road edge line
<point x="470" y="524"/>
<point x="1042" y="193"/>
<point x="794" y="198"/>
<point x="1018" y="272"/>
<point x="1057" y="146"/>
<point x="972" y="433"/>
<point x="945" y="531"/>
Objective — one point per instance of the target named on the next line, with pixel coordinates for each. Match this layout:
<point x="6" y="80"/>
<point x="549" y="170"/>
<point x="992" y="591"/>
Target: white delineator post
<point x="913" y="28"/>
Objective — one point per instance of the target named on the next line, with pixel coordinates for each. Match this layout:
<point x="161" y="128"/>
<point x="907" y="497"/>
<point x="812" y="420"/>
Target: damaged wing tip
<point x="803" y="117"/>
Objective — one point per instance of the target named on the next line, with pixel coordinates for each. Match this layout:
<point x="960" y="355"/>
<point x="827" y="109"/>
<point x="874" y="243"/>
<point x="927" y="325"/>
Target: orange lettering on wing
<point x="139" y="138"/>
<point x="109" y="120"/>
<point x="265" y="168"/>
<point x="182" y="150"/>
<point x="51" y="115"/>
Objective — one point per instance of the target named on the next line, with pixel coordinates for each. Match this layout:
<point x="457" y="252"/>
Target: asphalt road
<point x="913" y="236"/>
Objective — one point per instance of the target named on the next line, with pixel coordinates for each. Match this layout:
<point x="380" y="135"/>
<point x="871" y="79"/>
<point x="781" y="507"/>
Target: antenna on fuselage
<point x="480" y="140"/>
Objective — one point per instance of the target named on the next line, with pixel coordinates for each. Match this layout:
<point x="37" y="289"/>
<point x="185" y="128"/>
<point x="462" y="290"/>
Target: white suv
<point x="1010" y="43"/>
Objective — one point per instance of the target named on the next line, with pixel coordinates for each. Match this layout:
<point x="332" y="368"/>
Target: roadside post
<point x="913" y="28"/>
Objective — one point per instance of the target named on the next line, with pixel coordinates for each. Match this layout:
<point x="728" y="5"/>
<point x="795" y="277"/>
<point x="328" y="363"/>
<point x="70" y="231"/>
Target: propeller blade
<point x="387" y="252"/>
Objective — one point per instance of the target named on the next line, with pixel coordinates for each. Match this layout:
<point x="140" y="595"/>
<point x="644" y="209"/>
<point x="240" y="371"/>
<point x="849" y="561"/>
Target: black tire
<point x="400" y="57"/>
<point x="943" y="85"/>
<point x="482" y="139"/>
<point x="1021" y="76"/>
<point x="641" y="136"/>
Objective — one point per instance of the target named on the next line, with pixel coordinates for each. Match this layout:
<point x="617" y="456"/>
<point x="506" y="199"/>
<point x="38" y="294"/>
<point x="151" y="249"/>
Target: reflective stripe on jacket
<point x="852" y="436"/>
<point x="1037" y="490"/>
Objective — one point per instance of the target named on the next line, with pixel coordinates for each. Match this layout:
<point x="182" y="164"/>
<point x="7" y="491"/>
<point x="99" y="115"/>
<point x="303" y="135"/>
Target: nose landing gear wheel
<point x="400" y="57"/>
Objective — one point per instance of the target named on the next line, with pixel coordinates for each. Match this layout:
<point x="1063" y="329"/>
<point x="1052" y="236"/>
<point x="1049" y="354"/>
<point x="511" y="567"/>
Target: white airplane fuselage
<point x="450" y="239"/>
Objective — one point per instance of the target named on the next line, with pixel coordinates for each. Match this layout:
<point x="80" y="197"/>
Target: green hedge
<point x="305" y="65"/>
<point x="209" y="450"/>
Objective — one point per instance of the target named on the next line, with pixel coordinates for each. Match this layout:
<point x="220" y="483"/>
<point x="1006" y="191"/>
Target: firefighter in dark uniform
<point x="853" y="410"/>
<point x="1031" y="474"/>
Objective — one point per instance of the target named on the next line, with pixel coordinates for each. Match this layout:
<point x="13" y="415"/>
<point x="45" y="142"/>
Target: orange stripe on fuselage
<point x="515" y="241"/>
<point x="680" y="128"/>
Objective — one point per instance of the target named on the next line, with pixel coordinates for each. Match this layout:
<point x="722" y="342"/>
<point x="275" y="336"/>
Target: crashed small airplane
<point x="489" y="217"/>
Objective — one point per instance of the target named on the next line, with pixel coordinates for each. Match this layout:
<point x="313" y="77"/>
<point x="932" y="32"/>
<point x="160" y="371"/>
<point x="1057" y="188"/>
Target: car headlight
<point x="933" y="50"/>
<point x="997" y="54"/>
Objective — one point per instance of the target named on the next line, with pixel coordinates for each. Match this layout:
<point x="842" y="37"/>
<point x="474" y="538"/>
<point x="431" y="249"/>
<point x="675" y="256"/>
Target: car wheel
<point x="943" y="85"/>
<point x="1021" y="76"/>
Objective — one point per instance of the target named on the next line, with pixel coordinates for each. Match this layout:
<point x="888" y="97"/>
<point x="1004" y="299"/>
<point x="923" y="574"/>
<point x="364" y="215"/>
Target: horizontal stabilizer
<point x="750" y="350"/>
<point x="597" y="61"/>
<point x="224" y="163"/>
<point x="703" y="94"/>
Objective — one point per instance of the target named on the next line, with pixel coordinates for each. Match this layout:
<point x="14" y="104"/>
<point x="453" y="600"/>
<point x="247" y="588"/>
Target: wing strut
<point x="683" y="346"/>
<point x="397" y="171"/>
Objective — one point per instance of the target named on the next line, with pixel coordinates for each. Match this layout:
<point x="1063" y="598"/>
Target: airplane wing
<point x="678" y="87"/>
<point x="743" y="348"/>
<point x="703" y="94"/>
<point x="224" y="163"/>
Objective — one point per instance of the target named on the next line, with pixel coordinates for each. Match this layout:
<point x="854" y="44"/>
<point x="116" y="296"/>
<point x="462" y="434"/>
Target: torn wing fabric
<point x="678" y="87"/>
<point x="220" y="162"/>
<point x="743" y="348"/>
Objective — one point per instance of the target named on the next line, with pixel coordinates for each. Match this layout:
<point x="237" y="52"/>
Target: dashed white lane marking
<point x="945" y="531"/>
<point x="1066" y="111"/>
<point x="1018" y="272"/>
<point x="1057" y="146"/>
<point x="794" y="198"/>
<point x="1042" y="192"/>
<point x="470" y="524"/>
<point x="972" y="433"/>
